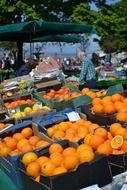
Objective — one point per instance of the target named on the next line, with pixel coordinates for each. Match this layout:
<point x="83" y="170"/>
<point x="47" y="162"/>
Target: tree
<point x="109" y="21"/>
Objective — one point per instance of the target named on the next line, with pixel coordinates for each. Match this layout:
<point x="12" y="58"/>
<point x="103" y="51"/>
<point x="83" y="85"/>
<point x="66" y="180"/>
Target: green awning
<point x="25" y="32"/>
<point x="58" y="38"/>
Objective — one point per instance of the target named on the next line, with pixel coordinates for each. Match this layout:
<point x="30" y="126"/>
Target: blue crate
<point x="11" y="172"/>
<point x="53" y="117"/>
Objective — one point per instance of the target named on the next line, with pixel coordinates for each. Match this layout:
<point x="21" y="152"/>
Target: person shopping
<point x="88" y="72"/>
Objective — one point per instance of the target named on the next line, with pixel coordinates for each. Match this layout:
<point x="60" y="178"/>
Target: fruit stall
<point x="59" y="138"/>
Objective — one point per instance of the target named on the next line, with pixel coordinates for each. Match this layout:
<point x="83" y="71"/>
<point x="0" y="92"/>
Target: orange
<point x="83" y="147"/>
<point x="55" y="148"/>
<point x="86" y="156"/>
<point x="121" y="116"/>
<point x="29" y="157"/>
<point x="33" y="169"/>
<point x="33" y="140"/>
<point x="27" y="132"/>
<point x="21" y="143"/>
<point x="87" y="139"/>
<point x="91" y="94"/>
<point x="102" y="132"/>
<point x="87" y="123"/>
<point x="98" y="108"/>
<point x="42" y="159"/>
<point x="56" y="159"/>
<point x="109" y="136"/>
<point x="70" y="130"/>
<point x="119" y="105"/>
<point x="26" y="148"/>
<point x="96" y="101"/>
<point x="18" y="136"/>
<point x="6" y="139"/>
<point x="123" y="109"/>
<point x="4" y="151"/>
<point x="14" y="152"/>
<point x="59" y="170"/>
<point x="58" y="134"/>
<point x="2" y="125"/>
<point x="12" y="144"/>
<point x="121" y="131"/>
<point x="82" y="131"/>
<point x="63" y="126"/>
<point x="70" y="162"/>
<point x="48" y="168"/>
<point x="116" y="97"/>
<point x="41" y="143"/>
<point x="95" y="141"/>
<point x="104" y="149"/>
<point x="124" y="146"/>
<point x="109" y="108"/>
<point x="106" y="100"/>
<point x="60" y="91"/>
<point x="114" y="127"/>
<point x="80" y="122"/>
<point x="85" y="90"/>
<point x="50" y="131"/>
<point x="92" y="127"/>
<point x="69" y="136"/>
<point x="69" y="151"/>
<point x="117" y="142"/>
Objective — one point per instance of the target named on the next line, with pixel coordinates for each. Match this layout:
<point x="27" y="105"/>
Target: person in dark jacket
<point x="26" y="68"/>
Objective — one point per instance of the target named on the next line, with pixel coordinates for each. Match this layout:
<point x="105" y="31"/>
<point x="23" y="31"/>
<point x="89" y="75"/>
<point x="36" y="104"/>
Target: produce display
<point x="16" y="103"/>
<point x="65" y="94"/>
<point x="41" y="152"/>
<point x="20" y="142"/>
<point x="58" y="161"/>
<point x="30" y="110"/>
<point x="115" y="104"/>
<point x="73" y="131"/>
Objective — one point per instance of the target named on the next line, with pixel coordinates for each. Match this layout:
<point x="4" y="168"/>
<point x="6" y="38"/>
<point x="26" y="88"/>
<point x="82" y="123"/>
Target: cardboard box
<point x="11" y="165"/>
<point x="82" y="176"/>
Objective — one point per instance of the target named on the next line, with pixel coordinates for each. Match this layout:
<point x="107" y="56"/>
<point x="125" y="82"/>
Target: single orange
<point x="55" y="147"/>
<point x="117" y="142"/>
<point x="33" y="169"/>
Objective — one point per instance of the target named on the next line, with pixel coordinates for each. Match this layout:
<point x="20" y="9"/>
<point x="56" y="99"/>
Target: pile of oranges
<point x="73" y="131"/>
<point x="111" y="105"/>
<point x="64" y="94"/>
<point x="14" y="104"/>
<point x="59" y="160"/>
<point x="108" y="142"/>
<point x="20" y="142"/>
<point x="90" y="93"/>
<point x="100" y="140"/>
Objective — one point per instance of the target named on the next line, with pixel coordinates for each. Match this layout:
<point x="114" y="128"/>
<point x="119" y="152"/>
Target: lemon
<point x="17" y="115"/>
<point x="27" y="110"/>
<point x="46" y="108"/>
<point x="36" y="107"/>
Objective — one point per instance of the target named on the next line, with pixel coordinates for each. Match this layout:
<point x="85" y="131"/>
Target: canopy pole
<point x="20" y="52"/>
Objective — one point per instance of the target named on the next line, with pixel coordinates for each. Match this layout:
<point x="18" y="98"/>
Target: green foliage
<point x="109" y="21"/>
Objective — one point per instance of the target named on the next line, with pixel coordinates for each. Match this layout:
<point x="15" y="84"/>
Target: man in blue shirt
<point x="88" y="72"/>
